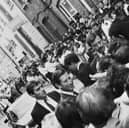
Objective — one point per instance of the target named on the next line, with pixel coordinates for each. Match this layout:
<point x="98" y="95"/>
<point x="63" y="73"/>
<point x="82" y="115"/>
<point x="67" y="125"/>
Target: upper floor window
<point x="89" y="5"/>
<point x="67" y="9"/>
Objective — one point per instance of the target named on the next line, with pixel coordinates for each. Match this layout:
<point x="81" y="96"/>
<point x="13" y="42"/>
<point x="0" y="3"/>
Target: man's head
<point x="122" y="54"/>
<point x="95" y="105"/>
<point x="36" y="89"/>
<point x="118" y="76"/>
<point x="67" y="114"/>
<point x="63" y="80"/>
<point x="71" y="61"/>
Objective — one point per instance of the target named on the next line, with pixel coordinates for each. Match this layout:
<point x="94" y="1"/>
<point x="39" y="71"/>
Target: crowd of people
<point x="88" y="72"/>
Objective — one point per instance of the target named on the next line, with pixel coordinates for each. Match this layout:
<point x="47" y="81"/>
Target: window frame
<point x="66" y="12"/>
<point x="87" y="6"/>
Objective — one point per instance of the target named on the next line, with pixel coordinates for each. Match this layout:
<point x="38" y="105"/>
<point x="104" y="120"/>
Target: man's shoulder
<point x="38" y="107"/>
<point x="54" y="95"/>
<point x="39" y="110"/>
<point x="84" y="66"/>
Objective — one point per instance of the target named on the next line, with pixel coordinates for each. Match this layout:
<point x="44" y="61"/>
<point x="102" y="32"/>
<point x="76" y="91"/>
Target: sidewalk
<point x="2" y="124"/>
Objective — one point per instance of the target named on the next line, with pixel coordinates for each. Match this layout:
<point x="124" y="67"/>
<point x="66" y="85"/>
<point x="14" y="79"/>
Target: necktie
<point x="49" y="105"/>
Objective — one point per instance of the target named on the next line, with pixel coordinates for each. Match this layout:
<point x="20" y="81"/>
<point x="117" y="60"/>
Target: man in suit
<point x="80" y="69"/>
<point x="66" y="84"/>
<point x="45" y="103"/>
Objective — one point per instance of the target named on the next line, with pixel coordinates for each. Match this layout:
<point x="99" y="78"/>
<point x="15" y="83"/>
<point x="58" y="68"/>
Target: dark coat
<point x="40" y="111"/>
<point x="54" y="95"/>
<point x="83" y="74"/>
<point x="120" y="28"/>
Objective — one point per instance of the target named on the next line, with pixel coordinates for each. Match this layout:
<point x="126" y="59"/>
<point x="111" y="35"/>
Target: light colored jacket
<point x="50" y="121"/>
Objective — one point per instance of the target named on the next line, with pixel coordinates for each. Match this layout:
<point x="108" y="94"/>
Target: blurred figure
<point x="95" y="106"/>
<point x="121" y="113"/>
<point x="65" y="116"/>
<point x="80" y="69"/>
<point x="68" y="115"/>
<point x="65" y="82"/>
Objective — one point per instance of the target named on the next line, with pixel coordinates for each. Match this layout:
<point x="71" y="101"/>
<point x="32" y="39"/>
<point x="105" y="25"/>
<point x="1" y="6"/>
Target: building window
<point x="89" y="5"/>
<point x="85" y="3"/>
<point x="10" y="4"/>
<point x="11" y="48"/>
<point x="24" y="3"/>
<point x="67" y="9"/>
<point x="5" y="13"/>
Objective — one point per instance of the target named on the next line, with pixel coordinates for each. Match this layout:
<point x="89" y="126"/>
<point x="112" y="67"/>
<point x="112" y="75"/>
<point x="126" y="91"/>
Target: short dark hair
<point x="30" y="86"/>
<point x="118" y="76"/>
<point x="56" y="77"/>
<point x="122" y="54"/>
<point x="67" y="114"/>
<point x="71" y="58"/>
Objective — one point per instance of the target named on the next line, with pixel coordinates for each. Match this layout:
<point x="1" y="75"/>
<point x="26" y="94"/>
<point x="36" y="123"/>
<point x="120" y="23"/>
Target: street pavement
<point x="2" y="124"/>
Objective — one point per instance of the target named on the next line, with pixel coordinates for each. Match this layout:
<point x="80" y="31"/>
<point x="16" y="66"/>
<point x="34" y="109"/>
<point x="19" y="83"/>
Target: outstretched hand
<point x="98" y="75"/>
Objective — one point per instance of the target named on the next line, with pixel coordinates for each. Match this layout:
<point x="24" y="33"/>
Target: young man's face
<point x="67" y="81"/>
<point x="39" y="92"/>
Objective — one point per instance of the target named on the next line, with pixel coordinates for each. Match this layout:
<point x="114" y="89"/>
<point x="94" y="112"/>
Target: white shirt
<point x="78" y="65"/>
<point x="123" y="102"/>
<point x="42" y="70"/>
<point x="50" y="121"/>
<point x="61" y="59"/>
<point x="126" y="9"/>
<point x="31" y="78"/>
<point x="127" y="65"/>
<point x="105" y="27"/>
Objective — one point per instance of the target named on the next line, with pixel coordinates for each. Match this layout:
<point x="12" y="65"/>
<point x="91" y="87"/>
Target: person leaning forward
<point x="44" y="103"/>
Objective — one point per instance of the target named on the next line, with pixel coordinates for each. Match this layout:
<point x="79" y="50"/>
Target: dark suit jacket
<point x="120" y="28"/>
<point x="64" y="95"/>
<point x="54" y="95"/>
<point x="83" y="74"/>
<point x="40" y="111"/>
<point x="68" y="96"/>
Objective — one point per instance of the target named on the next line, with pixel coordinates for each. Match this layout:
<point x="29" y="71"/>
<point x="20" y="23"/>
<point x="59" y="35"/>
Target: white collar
<point x="50" y="100"/>
<point x="66" y="92"/>
<point x="42" y="103"/>
<point x="78" y="65"/>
